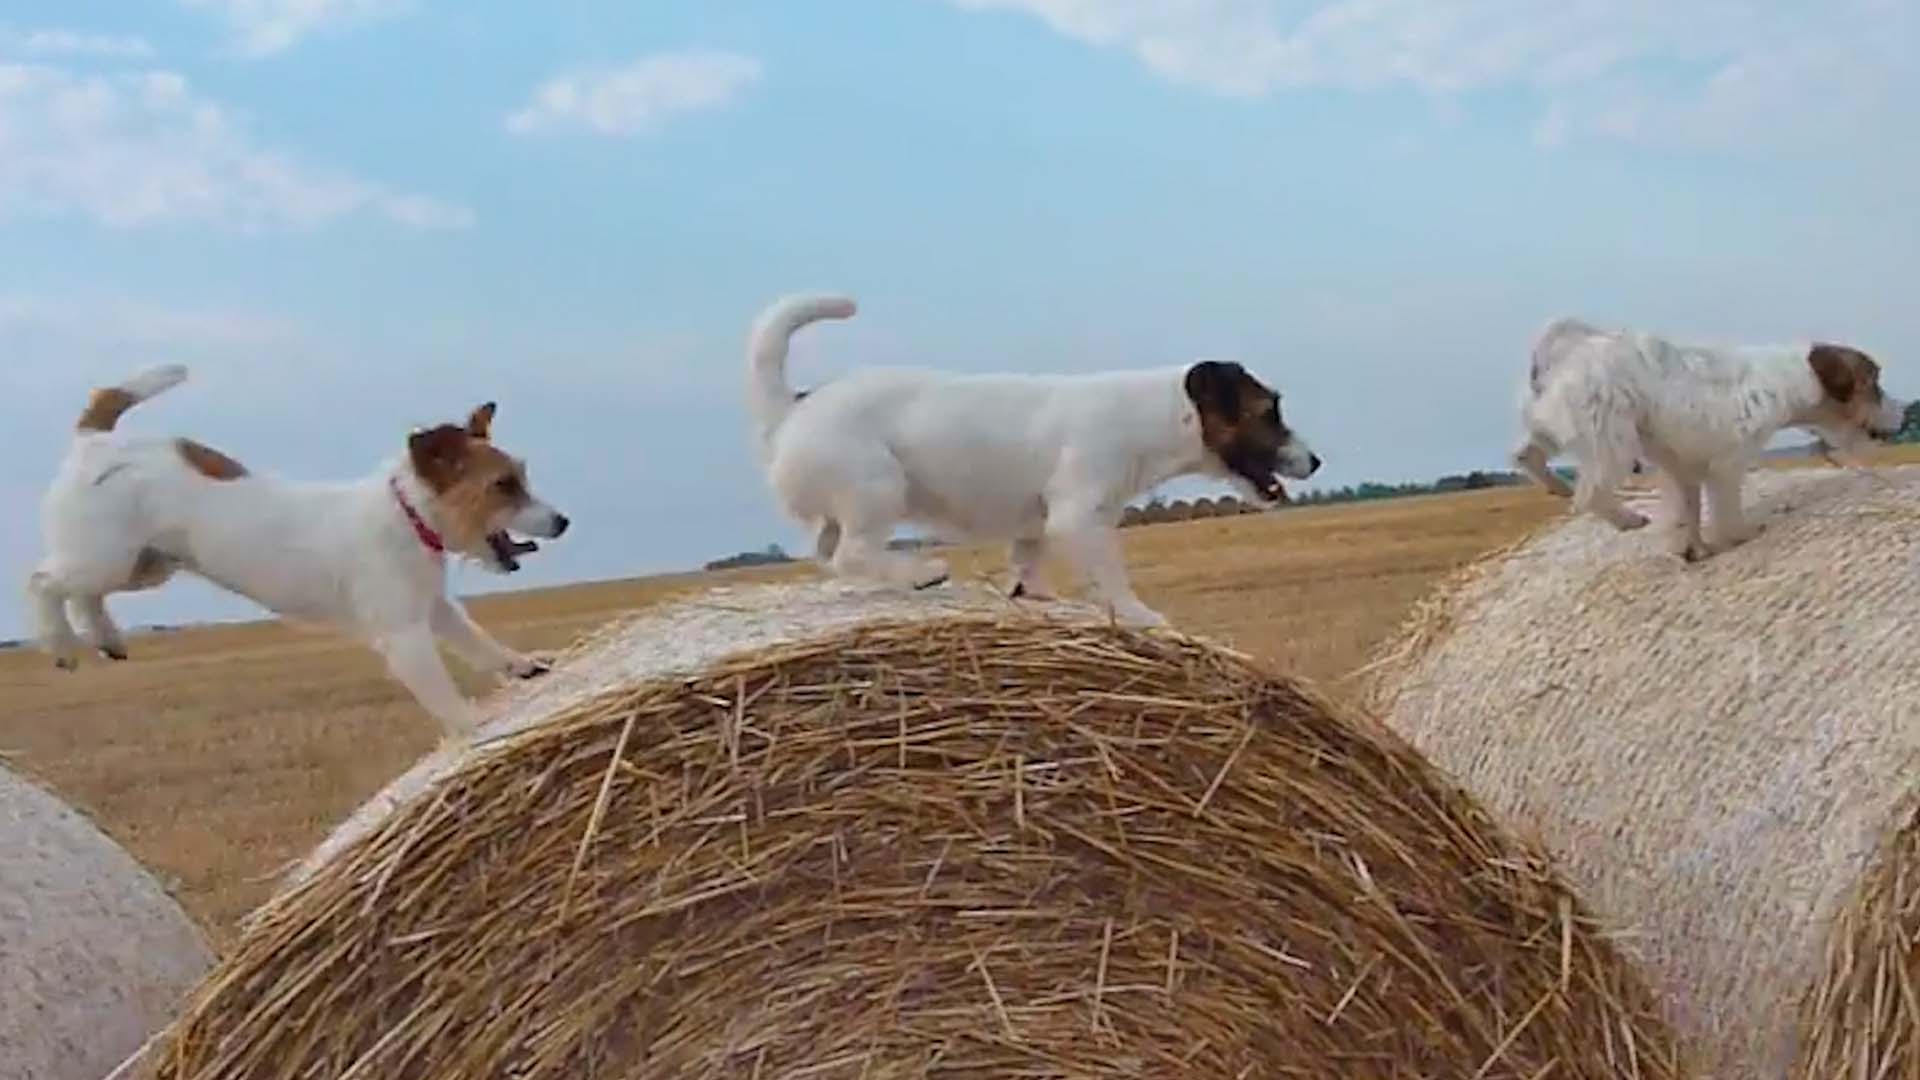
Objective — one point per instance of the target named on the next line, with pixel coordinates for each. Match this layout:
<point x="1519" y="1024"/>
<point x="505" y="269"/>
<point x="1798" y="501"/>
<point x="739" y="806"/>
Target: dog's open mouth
<point x="1267" y="485"/>
<point x="506" y="551"/>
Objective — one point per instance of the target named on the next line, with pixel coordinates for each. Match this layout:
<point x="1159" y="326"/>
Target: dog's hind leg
<point x="863" y="553"/>
<point x="870" y="498"/>
<point x="47" y="596"/>
<point x="100" y="630"/>
<point x="826" y="541"/>
<point x="1024" y="556"/>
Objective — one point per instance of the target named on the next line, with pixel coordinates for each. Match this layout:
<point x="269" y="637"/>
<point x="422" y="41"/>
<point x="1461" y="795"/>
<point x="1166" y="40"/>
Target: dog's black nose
<point x="560" y="524"/>
<point x="1313" y="464"/>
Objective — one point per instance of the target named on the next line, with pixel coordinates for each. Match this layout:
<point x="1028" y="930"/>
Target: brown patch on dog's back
<point x="209" y="462"/>
<point x="104" y="410"/>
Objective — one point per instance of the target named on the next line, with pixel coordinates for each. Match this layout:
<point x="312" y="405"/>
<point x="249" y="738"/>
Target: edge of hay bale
<point x="1860" y="1016"/>
<point x="1578" y="973"/>
<point x="95" y="953"/>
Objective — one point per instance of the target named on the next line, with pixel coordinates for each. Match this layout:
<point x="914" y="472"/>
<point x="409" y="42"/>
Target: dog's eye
<point x="507" y="485"/>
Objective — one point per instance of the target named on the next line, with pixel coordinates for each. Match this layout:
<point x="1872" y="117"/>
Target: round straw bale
<point x="924" y="836"/>
<point x="1725" y="757"/>
<point x="94" y="955"/>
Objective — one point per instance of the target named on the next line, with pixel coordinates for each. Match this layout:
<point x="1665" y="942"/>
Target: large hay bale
<point x="94" y="955"/>
<point x="955" y="842"/>
<point x="1725" y="758"/>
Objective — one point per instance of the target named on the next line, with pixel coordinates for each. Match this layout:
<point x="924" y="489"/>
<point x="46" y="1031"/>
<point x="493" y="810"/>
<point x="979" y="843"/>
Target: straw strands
<point x="961" y="843"/>
<point x="94" y="955"/>
<point x="1724" y="759"/>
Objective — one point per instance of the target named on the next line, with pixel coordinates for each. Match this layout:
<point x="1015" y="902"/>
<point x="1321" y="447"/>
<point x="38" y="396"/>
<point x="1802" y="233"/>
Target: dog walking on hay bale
<point x="811" y="831"/>
<point x="1724" y="762"/>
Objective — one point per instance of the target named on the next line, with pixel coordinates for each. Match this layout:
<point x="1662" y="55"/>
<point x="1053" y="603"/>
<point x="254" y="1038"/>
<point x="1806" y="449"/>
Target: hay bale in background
<point x="94" y="955"/>
<point x="962" y="843"/>
<point x="1725" y="758"/>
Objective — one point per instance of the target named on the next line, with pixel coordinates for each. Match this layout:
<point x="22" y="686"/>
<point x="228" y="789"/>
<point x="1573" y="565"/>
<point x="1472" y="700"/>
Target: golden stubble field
<point x="220" y="755"/>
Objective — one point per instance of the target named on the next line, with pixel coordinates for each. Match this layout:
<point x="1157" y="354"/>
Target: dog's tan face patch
<point x="1240" y="423"/>
<point x="209" y="462"/>
<point x="477" y="488"/>
<point x="1851" y="380"/>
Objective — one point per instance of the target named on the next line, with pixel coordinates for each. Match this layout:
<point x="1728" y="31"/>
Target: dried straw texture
<point x="978" y="845"/>
<point x="1724" y="758"/>
<point x="94" y="955"/>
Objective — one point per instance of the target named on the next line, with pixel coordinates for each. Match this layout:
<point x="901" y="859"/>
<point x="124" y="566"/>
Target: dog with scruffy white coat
<point x="126" y="514"/>
<point x="1700" y="415"/>
<point x="1040" y="461"/>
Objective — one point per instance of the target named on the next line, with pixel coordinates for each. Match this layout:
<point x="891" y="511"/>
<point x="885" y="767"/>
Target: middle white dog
<point x="1700" y="414"/>
<point x="1042" y="461"/>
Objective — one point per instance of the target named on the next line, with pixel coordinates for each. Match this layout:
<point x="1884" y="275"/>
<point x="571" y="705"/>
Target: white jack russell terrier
<point x="1041" y="461"/>
<point x="370" y="556"/>
<point x="1699" y="414"/>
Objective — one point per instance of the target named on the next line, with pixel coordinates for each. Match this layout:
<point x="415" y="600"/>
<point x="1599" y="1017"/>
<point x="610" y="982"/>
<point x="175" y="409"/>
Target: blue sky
<point x="354" y="216"/>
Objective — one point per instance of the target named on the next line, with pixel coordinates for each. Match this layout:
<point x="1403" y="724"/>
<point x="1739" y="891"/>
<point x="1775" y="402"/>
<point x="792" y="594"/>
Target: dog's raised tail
<point x="768" y="393"/>
<point x="108" y="404"/>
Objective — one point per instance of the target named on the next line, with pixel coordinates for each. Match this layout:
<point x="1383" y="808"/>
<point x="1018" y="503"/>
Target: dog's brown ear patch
<point x="439" y="455"/>
<point x="480" y="424"/>
<point x="1843" y="372"/>
<point x="104" y="409"/>
<point x="209" y="462"/>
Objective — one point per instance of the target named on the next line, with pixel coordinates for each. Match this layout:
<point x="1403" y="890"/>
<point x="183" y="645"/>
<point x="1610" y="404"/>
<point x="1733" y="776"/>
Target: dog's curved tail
<point x="768" y="394"/>
<point x="108" y="404"/>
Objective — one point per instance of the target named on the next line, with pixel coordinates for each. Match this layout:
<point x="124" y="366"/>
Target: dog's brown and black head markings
<point x="1851" y="380"/>
<point x="1240" y="423"/>
<point x="477" y="487"/>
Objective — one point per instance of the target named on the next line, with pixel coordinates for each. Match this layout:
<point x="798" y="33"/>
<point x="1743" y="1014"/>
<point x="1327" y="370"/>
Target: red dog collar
<point x="421" y="529"/>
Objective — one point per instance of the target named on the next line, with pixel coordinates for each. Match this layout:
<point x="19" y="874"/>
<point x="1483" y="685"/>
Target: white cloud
<point x="1721" y="73"/>
<point x="263" y="27"/>
<point x="636" y="98"/>
<point x="134" y="149"/>
<point x="55" y="43"/>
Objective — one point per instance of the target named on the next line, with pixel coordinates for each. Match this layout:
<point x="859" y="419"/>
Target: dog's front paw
<point x="1692" y="551"/>
<point x="529" y="667"/>
<point x="930" y="573"/>
<point x="1630" y="520"/>
<point x="1024" y="591"/>
<point x="67" y="663"/>
<point x="114" y="652"/>
<point x="1138" y="615"/>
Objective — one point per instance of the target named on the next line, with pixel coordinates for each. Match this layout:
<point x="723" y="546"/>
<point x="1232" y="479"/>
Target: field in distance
<point x="220" y="755"/>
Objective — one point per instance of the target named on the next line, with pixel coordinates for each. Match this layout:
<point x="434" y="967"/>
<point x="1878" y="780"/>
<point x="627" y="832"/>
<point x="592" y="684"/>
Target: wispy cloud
<point x="1723" y="73"/>
<point x="636" y="98"/>
<point x="48" y="43"/>
<point x="143" y="148"/>
<point x="264" y="27"/>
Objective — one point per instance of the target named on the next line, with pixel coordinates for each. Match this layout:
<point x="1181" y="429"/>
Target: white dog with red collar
<point x="369" y="556"/>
